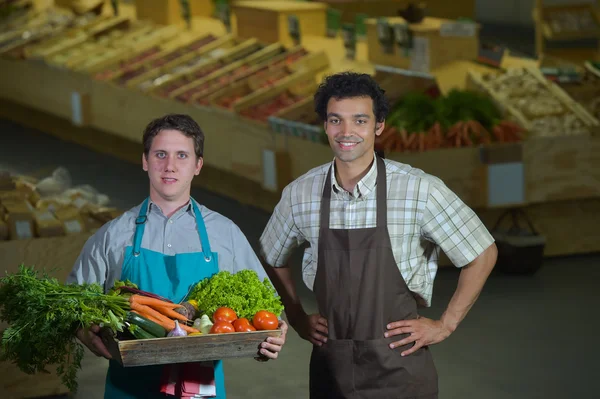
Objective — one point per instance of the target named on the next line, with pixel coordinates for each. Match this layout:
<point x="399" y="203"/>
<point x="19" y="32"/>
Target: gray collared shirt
<point x="101" y="259"/>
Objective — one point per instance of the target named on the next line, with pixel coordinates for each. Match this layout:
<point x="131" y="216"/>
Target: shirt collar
<point x="364" y="186"/>
<point x="186" y="208"/>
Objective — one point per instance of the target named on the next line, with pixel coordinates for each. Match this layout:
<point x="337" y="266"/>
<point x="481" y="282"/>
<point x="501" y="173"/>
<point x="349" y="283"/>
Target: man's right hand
<point x="90" y="338"/>
<point x="312" y="328"/>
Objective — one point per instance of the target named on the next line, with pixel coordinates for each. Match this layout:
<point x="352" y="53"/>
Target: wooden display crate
<point x="553" y="30"/>
<point x="268" y="20"/>
<point x="276" y="74"/>
<point x="229" y="72"/>
<point x="164" y="12"/>
<point x="197" y="348"/>
<point x="153" y="76"/>
<point x="169" y="55"/>
<point x="146" y="54"/>
<point x="519" y="105"/>
<point x="213" y="64"/>
<point x="299" y="120"/>
<point x="435" y="42"/>
<point x="261" y="104"/>
<point x="241" y="76"/>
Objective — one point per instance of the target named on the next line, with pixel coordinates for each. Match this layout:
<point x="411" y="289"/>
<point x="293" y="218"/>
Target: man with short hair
<point x="165" y="245"/>
<point x="375" y="228"/>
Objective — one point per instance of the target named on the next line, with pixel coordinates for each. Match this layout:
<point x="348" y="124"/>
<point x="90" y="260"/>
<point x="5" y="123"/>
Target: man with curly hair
<point x="374" y="228"/>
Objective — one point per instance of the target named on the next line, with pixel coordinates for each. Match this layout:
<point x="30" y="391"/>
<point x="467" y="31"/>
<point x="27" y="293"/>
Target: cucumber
<point x="151" y="327"/>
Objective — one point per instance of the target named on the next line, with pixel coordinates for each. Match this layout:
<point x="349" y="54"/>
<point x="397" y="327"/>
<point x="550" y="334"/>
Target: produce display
<point x="261" y="112"/>
<point x="578" y="20"/>
<point x="419" y="122"/>
<point x="586" y="92"/>
<point x="543" y="110"/>
<point x="43" y="315"/>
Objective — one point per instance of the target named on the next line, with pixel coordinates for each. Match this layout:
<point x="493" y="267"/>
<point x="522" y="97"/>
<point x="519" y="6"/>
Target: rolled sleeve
<point x="92" y="264"/>
<point x="281" y="235"/>
<point x="453" y="226"/>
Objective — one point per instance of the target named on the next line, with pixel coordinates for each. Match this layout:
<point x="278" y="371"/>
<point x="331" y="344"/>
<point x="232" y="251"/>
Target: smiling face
<point x="351" y="128"/>
<point x="171" y="165"/>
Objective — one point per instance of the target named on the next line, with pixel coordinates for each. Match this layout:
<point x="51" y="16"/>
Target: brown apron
<point x="359" y="290"/>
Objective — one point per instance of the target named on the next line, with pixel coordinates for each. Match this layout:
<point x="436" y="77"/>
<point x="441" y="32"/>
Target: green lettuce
<point x="243" y="292"/>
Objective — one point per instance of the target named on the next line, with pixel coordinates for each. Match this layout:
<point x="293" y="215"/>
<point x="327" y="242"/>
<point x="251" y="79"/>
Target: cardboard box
<point x="20" y="220"/>
<point x="71" y="218"/>
<point x="47" y="225"/>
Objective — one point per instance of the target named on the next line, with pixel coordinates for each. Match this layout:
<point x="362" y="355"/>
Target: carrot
<point x="421" y="142"/>
<point x="147" y="316"/>
<point x="164" y="321"/>
<point x="410" y="140"/>
<point x="170" y="313"/>
<point x="498" y="133"/>
<point x="404" y="138"/>
<point x="399" y="147"/>
<point x="437" y="134"/>
<point x="144" y="300"/>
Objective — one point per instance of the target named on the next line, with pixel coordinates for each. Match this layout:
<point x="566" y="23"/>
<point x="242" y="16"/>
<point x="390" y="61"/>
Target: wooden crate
<point x="518" y="104"/>
<point x="273" y="75"/>
<point x="164" y="12"/>
<point x="291" y="90"/>
<point x="177" y="80"/>
<point x="550" y="25"/>
<point x="299" y="120"/>
<point x="435" y="42"/>
<point x="268" y="20"/>
<point x="228" y="72"/>
<point x="144" y="54"/>
<point x="197" y="348"/>
<point x="171" y="53"/>
<point x="155" y="75"/>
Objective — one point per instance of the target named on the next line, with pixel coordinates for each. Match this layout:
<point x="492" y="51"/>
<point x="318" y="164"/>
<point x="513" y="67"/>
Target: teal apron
<point x="170" y="277"/>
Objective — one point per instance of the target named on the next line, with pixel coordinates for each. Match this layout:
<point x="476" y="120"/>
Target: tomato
<point x="243" y="325"/>
<point x="264" y="320"/>
<point x="221" y="327"/>
<point x="224" y="314"/>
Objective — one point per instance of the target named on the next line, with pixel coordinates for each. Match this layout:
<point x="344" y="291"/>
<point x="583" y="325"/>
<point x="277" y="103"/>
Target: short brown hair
<point x="182" y="123"/>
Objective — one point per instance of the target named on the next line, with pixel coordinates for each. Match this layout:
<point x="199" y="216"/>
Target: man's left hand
<point x="423" y="332"/>
<point x="271" y="347"/>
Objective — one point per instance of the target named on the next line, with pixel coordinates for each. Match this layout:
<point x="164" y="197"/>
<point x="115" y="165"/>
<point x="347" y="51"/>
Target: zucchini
<point x="148" y="325"/>
<point x="139" y="333"/>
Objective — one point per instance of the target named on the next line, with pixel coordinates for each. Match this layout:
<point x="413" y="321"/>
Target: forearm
<point x="470" y="283"/>
<point x="282" y="280"/>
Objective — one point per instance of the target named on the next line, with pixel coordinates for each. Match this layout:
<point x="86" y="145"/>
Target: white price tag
<point x="23" y="229"/>
<point x="419" y="58"/>
<point x="73" y="226"/>
<point x="76" y="109"/>
<point x="458" y="29"/>
<point x="506" y="184"/>
<point x="269" y="172"/>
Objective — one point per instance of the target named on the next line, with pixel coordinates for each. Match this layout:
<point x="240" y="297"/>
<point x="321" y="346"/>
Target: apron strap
<point x="202" y="233"/>
<point x="381" y="193"/>
<point x="140" y="224"/>
<point x="381" y="196"/>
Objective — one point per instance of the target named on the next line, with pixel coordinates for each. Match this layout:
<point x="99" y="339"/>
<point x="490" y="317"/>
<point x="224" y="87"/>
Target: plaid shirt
<point x="423" y="216"/>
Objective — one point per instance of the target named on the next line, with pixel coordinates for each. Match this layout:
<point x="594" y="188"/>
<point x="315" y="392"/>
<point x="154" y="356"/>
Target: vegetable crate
<point x="197" y="348"/>
<point x="276" y="74"/>
<point x="540" y="106"/>
<point x="176" y="62"/>
<point x="299" y="120"/>
<point x="154" y="56"/>
<point x="228" y="73"/>
<point x="264" y="103"/>
<point x="570" y="22"/>
<point x="214" y="87"/>
<point x="217" y="60"/>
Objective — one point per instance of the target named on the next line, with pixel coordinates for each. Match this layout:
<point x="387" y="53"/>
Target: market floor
<point x="526" y="338"/>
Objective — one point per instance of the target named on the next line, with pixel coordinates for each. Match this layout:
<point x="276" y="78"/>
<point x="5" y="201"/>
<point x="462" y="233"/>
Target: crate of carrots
<point x="223" y="316"/>
<point x="462" y="118"/>
<point x="299" y="120"/>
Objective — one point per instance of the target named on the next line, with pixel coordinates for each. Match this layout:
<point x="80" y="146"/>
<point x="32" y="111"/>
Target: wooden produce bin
<point x="213" y="64"/>
<point x="430" y="44"/>
<point x="203" y="92"/>
<point x="170" y="55"/>
<point x="540" y="106"/>
<point x="277" y="73"/>
<point x="263" y="103"/>
<point x="173" y="350"/>
<point x="268" y="20"/>
<point x="299" y="120"/>
<point x="163" y="12"/>
<point x="229" y="73"/>
<point x="153" y="77"/>
<point x="57" y="256"/>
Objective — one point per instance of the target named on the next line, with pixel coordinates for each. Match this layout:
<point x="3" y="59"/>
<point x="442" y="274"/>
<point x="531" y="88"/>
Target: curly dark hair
<point x="348" y="85"/>
<point x="183" y="123"/>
